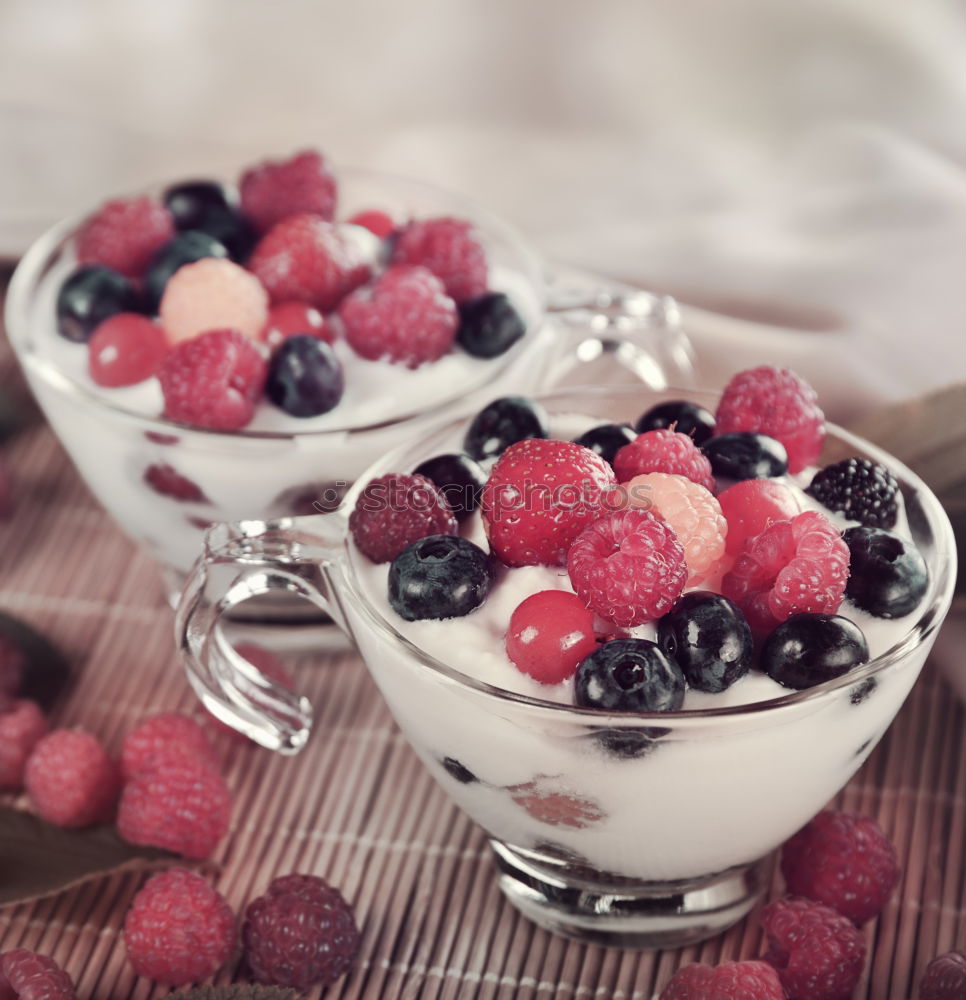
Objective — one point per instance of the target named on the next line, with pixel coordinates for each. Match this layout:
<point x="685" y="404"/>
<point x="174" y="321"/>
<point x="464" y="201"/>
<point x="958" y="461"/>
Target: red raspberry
<point x="628" y="567"/>
<point x="663" y="450"/>
<point x="289" y="318"/>
<point x="272" y="191"/>
<point x="751" y="505"/>
<point x="178" y="803"/>
<point x="731" y="981"/>
<point x="945" y="977"/>
<point x="123" y="234"/>
<point x="178" y="929"/>
<point x="450" y="248"/>
<point x="306" y="259"/>
<point x="167" y="481"/>
<point x="70" y="779"/>
<point x="540" y="495"/>
<point x="546" y="801"/>
<point x="405" y="317"/>
<point x="776" y="402"/>
<point x="817" y="952"/>
<point x="550" y="633"/>
<point x="165" y="733"/>
<point x="843" y="861"/>
<point x="125" y="349"/>
<point x="213" y="380"/>
<point x="797" y="565"/>
<point x="25" y="975"/>
<point x="299" y="933"/>
<point x="394" y="511"/>
<point x="379" y="223"/>
<point x="21" y="726"/>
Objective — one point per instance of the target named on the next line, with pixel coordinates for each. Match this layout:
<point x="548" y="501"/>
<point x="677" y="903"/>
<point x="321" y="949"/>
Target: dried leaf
<point x="240" y="991"/>
<point x="48" y="671"/>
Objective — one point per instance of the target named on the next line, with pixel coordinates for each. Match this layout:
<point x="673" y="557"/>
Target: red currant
<point x="125" y="349"/>
<point x="289" y="318"/>
<point x="378" y="223"/>
<point x="751" y="505"/>
<point x="550" y="633"/>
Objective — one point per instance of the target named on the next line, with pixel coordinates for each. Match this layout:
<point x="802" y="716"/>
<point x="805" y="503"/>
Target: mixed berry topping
<point x="273" y="191"/>
<point x="125" y="349"/>
<point x="459" y="478"/>
<point x="451" y="249"/>
<point x="746" y="455"/>
<point x="607" y="440"/>
<point x="679" y="415"/>
<point x="663" y="451"/>
<point x="550" y="632"/>
<point x="489" y="325"/>
<point x="858" y="489"/>
<point x="186" y="248"/>
<point x="287" y="319"/>
<point x="89" y="296"/>
<point x="889" y="576"/>
<point x="751" y="505"/>
<point x="305" y="377"/>
<point x="629" y="675"/>
<point x="809" y="649"/>
<point x="502" y="423"/>
<point x="440" y="576"/>
<point x="124" y="233"/>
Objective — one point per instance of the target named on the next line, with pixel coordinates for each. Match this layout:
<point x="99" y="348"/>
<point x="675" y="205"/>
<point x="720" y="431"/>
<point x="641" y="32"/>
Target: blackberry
<point x="489" y="325"/>
<point x="502" y="423"/>
<point x="440" y="576"/>
<point x="808" y="649"/>
<point x="607" y="440"/>
<point x="887" y="574"/>
<point x="858" y="489"/>
<point x="685" y="417"/>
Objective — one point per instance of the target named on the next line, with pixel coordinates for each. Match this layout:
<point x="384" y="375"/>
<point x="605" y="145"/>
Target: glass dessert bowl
<point x="634" y="828"/>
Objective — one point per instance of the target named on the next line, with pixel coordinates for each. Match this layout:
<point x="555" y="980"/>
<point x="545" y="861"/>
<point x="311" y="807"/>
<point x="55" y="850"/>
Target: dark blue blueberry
<point x="489" y="325"/>
<point x="709" y="639"/>
<point x="686" y="418"/>
<point x="502" y="423"/>
<point x="231" y="230"/>
<point x="191" y="201"/>
<point x="440" y="576"/>
<point x="304" y="377"/>
<point x="745" y="455"/>
<point x="459" y="479"/>
<point x="607" y="439"/>
<point x="629" y="675"/>
<point x="862" y="690"/>
<point x="185" y="248"/>
<point x="809" y="649"/>
<point x="458" y="772"/>
<point x="887" y="574"/>
<point x="89" y="296"/>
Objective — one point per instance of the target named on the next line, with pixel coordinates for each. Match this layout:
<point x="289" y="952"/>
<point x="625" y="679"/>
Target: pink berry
<point x="548" y="801"/>
<point x="125" y="349"/>
<point x="286" y="319"/>
<point x="730" y="981"/>
<point x="212" y="294"/>
<point x="22" y="725"/>
<point x="752" y="505"/>
<point x="628" y="566"/>
<point x="450" y="248"/>
<point x="123" y="234"/>
<point x="379" y="223"/>
<point x="25" y="975"/>
<point x="550" y="633"/>
<point x="274" y="190"/>
<point x="166" y="732"/>
<point x="663" y="450"/>
<point x="776" y="402"/>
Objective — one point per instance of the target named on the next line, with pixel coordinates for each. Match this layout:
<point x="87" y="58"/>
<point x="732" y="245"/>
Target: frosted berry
<point x="809" y="649"/>
<point x="730" y="981"/>
<point x="540" y="495"/>
<point x="844" y="861"/>
<point x="124" y="233"/>
<point x="797" y="565"/>
<point x="70" y="779"/>
<point x="89" y="296"/>
<point x="450" y="248"/>
<point x="441" y="576"/>
<point x="663" y="451"/>
<point x="548" y="801"/>
<point x="185" y="248"/>
<point x="502" y="423"/>
<point x="300" y="933"/>
<point x="889" y="576"/>
<point x="945" y="977"/>
<point x="550" y="632"/>
<point x="25" y="975"/>
<point x="404" y="317"/>
<point x="607" y="440"/>
<point x="167" y="481"/>
<point x="125" y="349"/>
<point x="678" y="415"/>
<point x="22" y="724"/>
<point x="213" y="380"/>
<point x="179" y="929"/>
<point x="817" y="952"/>
<point x="164" y="733"/>
<point x="628" y="566"/>
<point x="744" y="455"/>
<point x="305" y="378"/>
<point x="458" y="478"/>
<point x="287" y="319"/>
<point x="752" y="505"/>
<point x="489" y="325"/>
<point x="378" y="223"/>
<point x="776" y="402"/>
<point x="274" y="190"/>
<point x="858" y="489"/>
<point x="629" y="675"/>
<point x="394" y="510"/>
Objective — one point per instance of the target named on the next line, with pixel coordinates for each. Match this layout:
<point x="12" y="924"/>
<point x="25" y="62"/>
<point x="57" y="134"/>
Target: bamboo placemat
<point x="358" y="808"/>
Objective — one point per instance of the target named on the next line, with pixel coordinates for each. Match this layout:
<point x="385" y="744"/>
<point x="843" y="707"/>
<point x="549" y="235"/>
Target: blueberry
<point x="745" y="455"/>
<point x="231" y="230"/>
<point x="458" y="771"/>
<point x="687" y="418"/>
<point x="502" y="423"/>
<point x="709" y="639"/>
<point x="459" y="478"/>
<point x="629" y="675"/>
<point x="862" y="690"/>
<point x="440" y="576"/>
<point x="89" y="296"/>
<point x="808" y="649"/>
<point x="607" y="439"/>
<point x="189" y="203"/>
<point x="887" y="574"/>
<point x="304" y="377"/>
<point x="489" y="325"/>
<point x="185" y="248"/>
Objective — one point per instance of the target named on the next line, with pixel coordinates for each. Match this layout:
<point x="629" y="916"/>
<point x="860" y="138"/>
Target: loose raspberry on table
<point x="213" y="380"/>
<point x="540" y="495"/>
<point x="776" y="402"/>
<point x="125" y="349"/>
<point x="844" y="861"/>
<point x="549" y="633"/>
<point x="752" y="505"/>
<point x="164" y="733"/>
<point x="305" y="258"/>
<point x="287" y="319"/>
<point x="22" y="724"/>
<point x="274" y="190"/>
<point x="405" y="317"/>
<point x="176" y="802"/>
<point x="179" y="929"/>
<point x="25" y="975"/>
<point x="547" y="801"/>
<point x="663" y="451"/>
<point x="166" y="480"/>
<point x="71" y="780"/>
<point x="124" y="233"/>
<point x="450" y="248"/>
<point x="818" y="953"/>
<point x="394" y="511"/>
<point x="801" y="564"/>
<point x="730" y="981"/>
<point x="628" y="566"/>
<point x="301" y="932"/>
<point x="945" y="977"/>
<point x="858" y="489"/>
